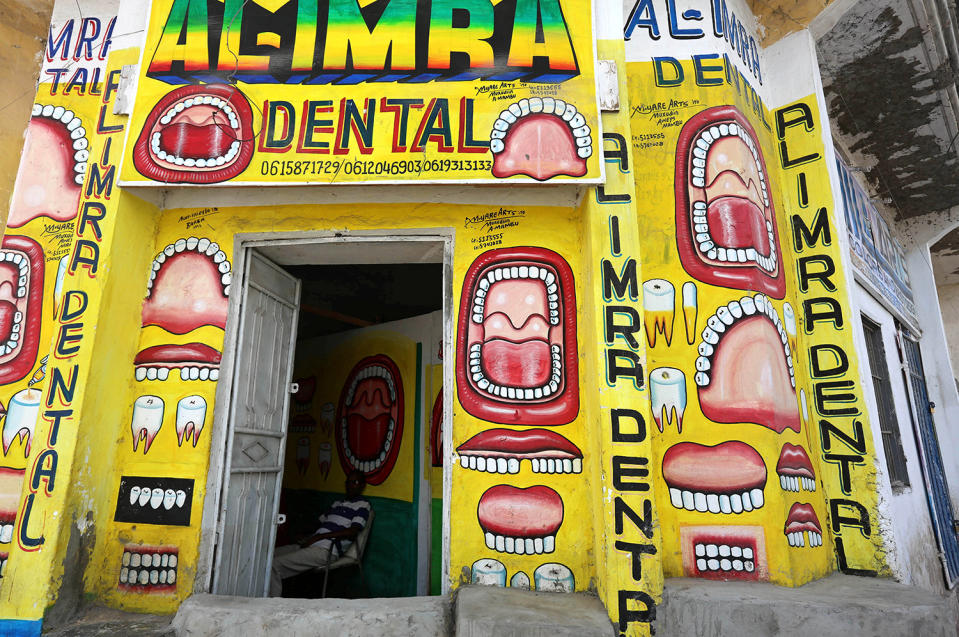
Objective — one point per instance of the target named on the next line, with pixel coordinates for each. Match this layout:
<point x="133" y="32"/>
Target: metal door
<point x="263" y="367"/>
<point x="937" y="490"/>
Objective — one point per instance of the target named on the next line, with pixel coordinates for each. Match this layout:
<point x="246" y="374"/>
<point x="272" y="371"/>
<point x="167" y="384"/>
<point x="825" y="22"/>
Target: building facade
<point x="594" y="294"/>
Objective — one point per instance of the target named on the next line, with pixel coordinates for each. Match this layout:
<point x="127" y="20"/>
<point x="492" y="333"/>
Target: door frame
<point x="243" y="243"/>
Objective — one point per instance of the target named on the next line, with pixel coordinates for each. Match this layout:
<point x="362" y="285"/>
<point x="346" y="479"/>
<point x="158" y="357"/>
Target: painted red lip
<point x="802" y="517"/>
<point x="745" y="369"/>
<point x="513" y="519"/>
<point x="724" y="552"/>
<point x="21" y="306"/>
<point x="178" y="355"/>
<point x="725" y="469"/>
<point x="502" y="450"/>
<point x="795" y="469"/>
<point x="724" y="204"/>
<point x="369" y="419"/>
<point x="436" y="431"/>
<point x="516" y="358"/>
<point x="540" y="145"/>
<point x="302" y="423"/>
<point x="218" y="131"/>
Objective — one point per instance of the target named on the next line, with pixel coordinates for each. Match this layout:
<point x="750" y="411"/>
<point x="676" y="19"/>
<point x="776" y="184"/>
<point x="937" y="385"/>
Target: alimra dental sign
<point x="389" y="91"/>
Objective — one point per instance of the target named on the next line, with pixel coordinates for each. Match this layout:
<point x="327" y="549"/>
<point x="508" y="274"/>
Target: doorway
<point x="321" y="327"/>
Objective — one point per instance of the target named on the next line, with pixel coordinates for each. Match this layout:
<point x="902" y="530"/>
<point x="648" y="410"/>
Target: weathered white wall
<point x="904" y="515"/>
<point x="949" y="303"/>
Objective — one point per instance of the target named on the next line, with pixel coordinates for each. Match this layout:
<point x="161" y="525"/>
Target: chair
<point x="353" y="556"/>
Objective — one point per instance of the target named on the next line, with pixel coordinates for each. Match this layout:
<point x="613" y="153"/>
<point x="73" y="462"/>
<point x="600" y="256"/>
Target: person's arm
<point x="351" y="532"/>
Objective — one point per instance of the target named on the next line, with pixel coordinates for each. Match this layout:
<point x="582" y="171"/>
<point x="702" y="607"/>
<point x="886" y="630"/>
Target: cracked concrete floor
<point x="103" y="622"/>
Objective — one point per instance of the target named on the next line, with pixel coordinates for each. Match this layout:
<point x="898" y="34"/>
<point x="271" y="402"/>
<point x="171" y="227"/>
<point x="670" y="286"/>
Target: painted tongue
<point x="191" y="141"/>
<point x="366" y="437"/>
<point x="525" y="364"/>
<point x="7" y="310"/>
<point x="735" y="222"/>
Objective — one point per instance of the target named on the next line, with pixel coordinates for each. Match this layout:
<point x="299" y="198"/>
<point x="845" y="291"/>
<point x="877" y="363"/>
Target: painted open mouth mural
<point x="194" y="361"/>
<point x="724" y="552"/>
<point x="725" y="478"/>
<point x="802" y="519"/>
<point x="516" y="342"/>
<point x="745" y="367"/>
<point x="188" y="288"/>
<point x="21" y="306"/>
<point x="148" y="569"/>
<point x="52" y="167"/>
<point x="540" y="138"/>
<point x="795" y="469"/>
<point x="520" y="521"/>
<point x="197" y="134"/>
<point x="726" y="228"/>
<point x="370" y="417"/>
<point x="11" y="481"/>
<point x="503" y="450"/>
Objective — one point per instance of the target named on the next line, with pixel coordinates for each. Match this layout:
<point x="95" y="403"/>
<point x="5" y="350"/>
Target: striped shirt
<point x="343" y="514"/>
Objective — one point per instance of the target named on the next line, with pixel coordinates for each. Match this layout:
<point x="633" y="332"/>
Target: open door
<point x="257" y="428"/>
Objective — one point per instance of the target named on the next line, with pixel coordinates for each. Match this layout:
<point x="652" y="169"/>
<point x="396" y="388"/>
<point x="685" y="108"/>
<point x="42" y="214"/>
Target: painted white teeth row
<point x="792" y="483"/>
<point x="550" y="106"/>
<point x="716" y="503"/>
<point x="155" y="497"/>
<point x="207" y="100"/>
<point x="515" y="393"/>
<point x="77" y="133"/>
<point x="22" y="264"/>
<point x="373" y="371"/>
<point x="724" y="557"/>
<point x="136" y="560"/>
<point x="512" y="465"/>
<point x="6" y="533"/>
<point x="709" y="247"/>
<point x="796" y="538"/>
<point x="706" y="138"/>
<point x="189" y="162"/>
<point x="147" y="576"/>
<point x="724" y="317"/>
<point x="202" y="246"/>
<point x="507" y="273"/>
<point x="520" y="545"/>
<point x="367" y="466"/>
<point x="144" y="372"/>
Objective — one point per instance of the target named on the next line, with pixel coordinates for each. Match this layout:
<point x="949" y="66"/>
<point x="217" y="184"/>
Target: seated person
<point x="343" y="521"/>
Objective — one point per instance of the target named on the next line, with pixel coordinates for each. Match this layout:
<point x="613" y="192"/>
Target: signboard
<point x="877" y="256"/>
<point x="339" y="91"/>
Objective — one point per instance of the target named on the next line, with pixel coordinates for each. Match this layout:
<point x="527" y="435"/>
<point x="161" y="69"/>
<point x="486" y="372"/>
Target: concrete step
<point x="96" y="621"/>
<point x="836" y="606"/>
<point x="491" y="611"/>
<point x="209" y="615"/>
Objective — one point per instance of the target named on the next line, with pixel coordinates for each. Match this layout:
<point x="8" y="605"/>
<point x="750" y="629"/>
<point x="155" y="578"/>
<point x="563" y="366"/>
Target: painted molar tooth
<point x="488" y="572"/>
<point x="667" y="393"/>
<point x="147" y="420"/>
<point x="21" y="419"/>
<point x="190" y="417"/>
<point x="554" y="577"/>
